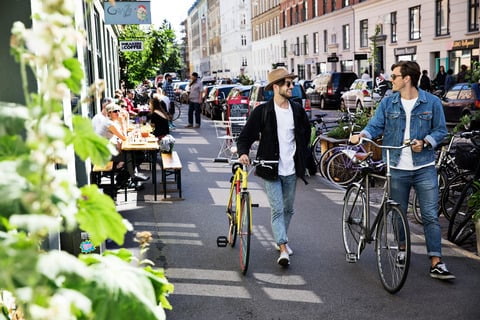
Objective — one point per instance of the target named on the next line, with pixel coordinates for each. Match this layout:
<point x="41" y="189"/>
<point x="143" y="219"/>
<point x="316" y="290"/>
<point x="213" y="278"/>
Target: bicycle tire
<point x="465" y="230"/>
<point x="341" y="169"/>
<point x="245" y="231"/>
<point x="460" y="215"/>
<point x="322" y="164"/>
<point x="392" y="234"/>
<point x="231" y="215"/>
<point x="317" y="150"/>
<point x="452" y="191"/>
<point x="177" y="111"/>
<point x="354" y="220"/>
<point x="417" y="214"/>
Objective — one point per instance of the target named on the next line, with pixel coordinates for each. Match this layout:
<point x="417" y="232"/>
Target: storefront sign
<point x="405" y="51"/>
<point x="131" y="45"/>
<point x="361" y="56"/>
<point x="332" y="59"/>
<point x="127" y="12"/>
<point x="465" y="44"/>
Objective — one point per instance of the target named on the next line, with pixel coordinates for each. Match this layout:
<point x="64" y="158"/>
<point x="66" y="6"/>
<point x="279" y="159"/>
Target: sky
<point x="174" y="11"/>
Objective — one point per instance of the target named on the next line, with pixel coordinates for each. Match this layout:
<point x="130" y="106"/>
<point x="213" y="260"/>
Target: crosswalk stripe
<point x="203" y="274"/>
<point x="292" y="295"/>
<point x="211" y="290"/>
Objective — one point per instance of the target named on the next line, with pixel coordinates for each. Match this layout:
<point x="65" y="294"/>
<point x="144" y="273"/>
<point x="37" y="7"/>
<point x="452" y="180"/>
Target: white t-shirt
<point x="286" y="140"/>
<point x="98" y="121"/>
<point x="406" y="161"/>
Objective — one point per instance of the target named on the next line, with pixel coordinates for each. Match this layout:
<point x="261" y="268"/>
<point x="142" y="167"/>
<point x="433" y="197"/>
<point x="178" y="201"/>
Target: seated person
<point x="159" y="117"/>
<point x="111" y="130"/>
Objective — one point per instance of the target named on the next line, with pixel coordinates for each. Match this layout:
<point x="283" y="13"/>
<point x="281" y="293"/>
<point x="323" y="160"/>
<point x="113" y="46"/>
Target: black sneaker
<point x="400" y="260"/>
<point x="440" y="271"/>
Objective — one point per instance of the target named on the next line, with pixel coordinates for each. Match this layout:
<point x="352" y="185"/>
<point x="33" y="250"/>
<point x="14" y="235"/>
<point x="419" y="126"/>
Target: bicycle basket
<point x="466" y="156"/>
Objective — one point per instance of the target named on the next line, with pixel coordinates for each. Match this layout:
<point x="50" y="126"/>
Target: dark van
<point x="330" y="86"/>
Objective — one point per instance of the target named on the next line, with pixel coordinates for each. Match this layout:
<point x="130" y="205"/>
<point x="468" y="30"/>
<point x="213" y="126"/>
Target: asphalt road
<point x="319" y="284"/>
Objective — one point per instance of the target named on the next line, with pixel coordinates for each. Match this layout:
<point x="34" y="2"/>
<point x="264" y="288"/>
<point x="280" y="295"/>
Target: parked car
<point x="462" y="99"/>
<point x="362" y="95"/>
<point x="181" y="88"/>
<point x="330" y="86"/>
<point x="259" y="95"/>
<point x="216" y="99"/>
<point x="237" y="103"/>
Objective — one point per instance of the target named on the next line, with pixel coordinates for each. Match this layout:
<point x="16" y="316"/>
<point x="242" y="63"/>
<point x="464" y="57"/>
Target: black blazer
<point x="262" y="124"/>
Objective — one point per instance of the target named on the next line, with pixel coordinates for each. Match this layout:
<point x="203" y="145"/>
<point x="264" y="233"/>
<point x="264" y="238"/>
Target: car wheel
<point x="359" y="107"/>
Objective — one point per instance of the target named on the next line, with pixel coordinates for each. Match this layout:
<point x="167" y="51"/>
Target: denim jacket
<point x="427" y="123"/>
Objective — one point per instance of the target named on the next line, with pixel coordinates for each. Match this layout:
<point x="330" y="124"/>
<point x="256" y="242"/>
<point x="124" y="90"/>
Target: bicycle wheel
<point x="231" y="214"/>
<point x="461" y="226"/>
<point x="354" y="221"/>
<point x="317" y="150"/>
<point x="245" y="231"/>
<point x="341" y="170"/>
<point x="392" y="247"/>
<point x="322" y="163"/>
<point x="177" y="111"/>
<point x="452" y="192"/>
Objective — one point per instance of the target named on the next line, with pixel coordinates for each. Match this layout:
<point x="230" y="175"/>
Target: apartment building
<point x="315" y="36"/>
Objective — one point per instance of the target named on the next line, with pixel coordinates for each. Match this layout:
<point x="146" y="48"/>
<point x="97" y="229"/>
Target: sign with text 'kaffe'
<point x="127" y="12"/>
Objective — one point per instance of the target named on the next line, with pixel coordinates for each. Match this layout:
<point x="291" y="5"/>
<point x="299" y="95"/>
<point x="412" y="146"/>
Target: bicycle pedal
<point x="222" y="241"/>
<point x="351" y="257"/>
<point x="255" y="205"/>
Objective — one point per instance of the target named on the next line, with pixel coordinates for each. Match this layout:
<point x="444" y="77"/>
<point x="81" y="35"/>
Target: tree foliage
<point x="160" y="53"/>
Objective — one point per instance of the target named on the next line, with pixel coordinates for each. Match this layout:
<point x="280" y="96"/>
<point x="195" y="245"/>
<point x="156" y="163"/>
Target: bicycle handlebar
<point x="470" y="134"/>
<point x="407" y="144"/>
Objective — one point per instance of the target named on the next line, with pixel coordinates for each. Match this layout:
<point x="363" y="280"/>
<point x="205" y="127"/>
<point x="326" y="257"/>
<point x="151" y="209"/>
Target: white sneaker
<point x="289" y="250"/>
<point x="283" y="260"/>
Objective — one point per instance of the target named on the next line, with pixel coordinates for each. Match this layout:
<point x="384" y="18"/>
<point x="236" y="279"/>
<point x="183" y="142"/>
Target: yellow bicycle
<point x="239" y="211"/>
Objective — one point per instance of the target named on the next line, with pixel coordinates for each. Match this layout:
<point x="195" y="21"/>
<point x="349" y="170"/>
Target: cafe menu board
<point x="239" y="110"/>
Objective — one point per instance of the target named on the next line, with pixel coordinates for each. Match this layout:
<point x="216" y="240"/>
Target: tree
<point x="160" y="53"/>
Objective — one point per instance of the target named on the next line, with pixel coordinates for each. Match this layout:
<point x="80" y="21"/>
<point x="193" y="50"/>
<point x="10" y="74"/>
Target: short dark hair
<point x="409" y="68"/>
<point x="195" y="74"/>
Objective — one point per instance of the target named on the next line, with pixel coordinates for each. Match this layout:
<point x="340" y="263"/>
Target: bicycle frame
<point x="239" y="185"/>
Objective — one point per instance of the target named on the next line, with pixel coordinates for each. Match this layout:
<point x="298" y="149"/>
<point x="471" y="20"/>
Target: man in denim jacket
<point x="413" y="114"/>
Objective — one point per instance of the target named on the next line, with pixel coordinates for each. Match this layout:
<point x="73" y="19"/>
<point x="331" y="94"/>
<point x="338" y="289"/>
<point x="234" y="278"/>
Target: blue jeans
<point x="425" y="183"/>
<point x="193" y="107"/>
<point x="281" y="195"/>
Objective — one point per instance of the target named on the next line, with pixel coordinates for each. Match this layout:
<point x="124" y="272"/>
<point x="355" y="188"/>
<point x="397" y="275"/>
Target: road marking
<point x="292" y="295"/>
<point x="211" y="290"/>
<point x="179" y="241"/>
<point x="203" y="274"/>
<point x="334" y="195"/>
<point x="177" y="234"/>
<point x="165" y="224"/>
<point x="288" y="280"/>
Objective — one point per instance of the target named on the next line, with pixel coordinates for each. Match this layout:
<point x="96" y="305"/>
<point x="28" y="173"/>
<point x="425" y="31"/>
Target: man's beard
<point x="286" y="95"/>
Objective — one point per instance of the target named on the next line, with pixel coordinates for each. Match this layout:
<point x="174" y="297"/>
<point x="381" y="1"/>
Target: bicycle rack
<point x="222" y="241"/>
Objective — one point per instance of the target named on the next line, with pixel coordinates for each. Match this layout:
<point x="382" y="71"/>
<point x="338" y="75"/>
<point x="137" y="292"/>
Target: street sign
<point x="131" y="45"/>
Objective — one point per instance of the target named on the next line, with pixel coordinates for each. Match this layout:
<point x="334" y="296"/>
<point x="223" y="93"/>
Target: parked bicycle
<point x="239" y="210"/>
<point x="389" y="230"/>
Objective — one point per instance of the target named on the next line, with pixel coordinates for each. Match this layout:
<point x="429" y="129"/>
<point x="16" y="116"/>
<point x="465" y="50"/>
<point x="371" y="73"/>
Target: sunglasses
<point x="115" y="111"/>
<point x="288" y="83"/>
<point x="395" y="76"/>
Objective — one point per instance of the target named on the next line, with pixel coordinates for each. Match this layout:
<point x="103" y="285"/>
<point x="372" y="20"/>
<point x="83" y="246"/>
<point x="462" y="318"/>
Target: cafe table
<point x="149" y="145"/>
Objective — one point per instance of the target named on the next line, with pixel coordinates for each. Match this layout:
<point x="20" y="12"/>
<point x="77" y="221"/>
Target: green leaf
<point x="12" y="118"/>
<point x="74" y="83"/>
<point x="124" y="254"/>
<point x="12" y="147"/>
<point x="98" y="216"/>
<point x="87" y="143"/>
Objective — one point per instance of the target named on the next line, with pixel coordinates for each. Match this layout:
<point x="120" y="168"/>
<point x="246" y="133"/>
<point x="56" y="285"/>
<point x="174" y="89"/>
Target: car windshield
<point x="297" y="91"/>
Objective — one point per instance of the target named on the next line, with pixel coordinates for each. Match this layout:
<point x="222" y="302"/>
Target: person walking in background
<point x="419" y="118"/>
<point x="284" y="132"/>
<point x="365" y="75"/>
<point x="439" y="80"/>
<point x="463" y="76"/>
<point x="170" y="93"/>
<point x="425" y="83"/>
<point x="194" y="100"/>
<point x="449" y="80"/>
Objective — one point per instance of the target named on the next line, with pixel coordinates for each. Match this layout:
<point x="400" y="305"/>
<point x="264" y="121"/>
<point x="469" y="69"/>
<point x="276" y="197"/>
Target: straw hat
<point x="276" y="75"/>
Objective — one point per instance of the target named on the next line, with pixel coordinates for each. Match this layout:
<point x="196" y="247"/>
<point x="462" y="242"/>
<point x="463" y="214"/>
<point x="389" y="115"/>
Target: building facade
<point x="316" y="36"/>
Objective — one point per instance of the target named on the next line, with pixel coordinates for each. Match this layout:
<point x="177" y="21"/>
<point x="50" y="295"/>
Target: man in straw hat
<point x="284" y="132"/>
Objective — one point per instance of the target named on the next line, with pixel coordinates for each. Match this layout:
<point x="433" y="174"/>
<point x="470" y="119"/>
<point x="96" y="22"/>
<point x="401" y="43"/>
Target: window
<point x="393" y="27"/>
<point x="346" y="3"/>
<point x="442" y="17"/>
<point x="305" y="11"/>
<point x="473" y="15"/>
<point x="346" y="36"/>
<point x="314" y="8"/>
<point x="244" y="40"/>
<point x="325" y="40"/>
<point x="414" y="16"/>
<point x="301" y="71"/>
<point x="244" y="62"/>
<point x="334" y="5"/>
<point x="305" y="44"/>
<point x="324" y="6"/>
<point x="284" y="49"/>
<point x="297" y="47"/>
<point x="284" y="19"/>
<point x="364" y="33"/>
<point x="315" y="42"/>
